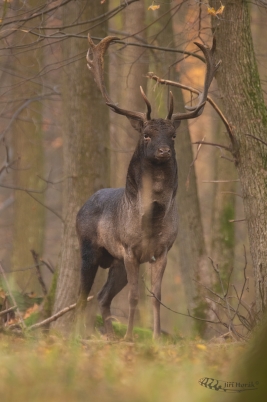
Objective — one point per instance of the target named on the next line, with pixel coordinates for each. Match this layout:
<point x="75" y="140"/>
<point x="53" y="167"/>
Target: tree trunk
<point x="29" y="215"/>
<point x="190" y="242"/>
<point x="127" y="71"/>
<point x="86" y="156"/>
<point x="223" y="231"/>
<point x="242" y="97"/>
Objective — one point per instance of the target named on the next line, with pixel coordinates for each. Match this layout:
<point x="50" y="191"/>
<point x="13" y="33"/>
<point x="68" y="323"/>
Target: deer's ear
<point x="176" y="123"/>
<point x="137" y="124"/>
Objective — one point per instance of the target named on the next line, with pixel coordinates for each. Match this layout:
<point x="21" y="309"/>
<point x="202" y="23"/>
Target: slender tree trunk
<point x="242" y="97"/>
<point x="223" y="231"/>
<point x="127" y="71"/>
<point x="29" y="215"/>
<point x="86" y="156"/>
<point x="192" y="255"/>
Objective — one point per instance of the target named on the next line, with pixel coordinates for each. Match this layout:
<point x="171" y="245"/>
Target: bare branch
<point x="256" y="138"/>
<point x="244" y="284"/>
<point x="45" y="206"/>
<point x="220" y="181"/>
<point x="231" y="192"/>
<point x="55" y="316"/>
<point x="213" y="144"/>
<point x="196" y="91"/>
<point x="192" y="164"/>
<point x="51" y="269"/>
<point x="236" y="220"/>
<point x="39" y="275"/>
<point x="19" y="110"/>
<point x="177" y="312"/>
<point x="27" y="190"/>
<point x="8" y="310"/>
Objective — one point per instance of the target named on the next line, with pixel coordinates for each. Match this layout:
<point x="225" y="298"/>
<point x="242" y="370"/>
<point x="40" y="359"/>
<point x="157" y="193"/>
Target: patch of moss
<point x="140" y="334"/>
<point x="200" y="311"/>
<point x="50" y="298"/>
<point x="227" y="229"/>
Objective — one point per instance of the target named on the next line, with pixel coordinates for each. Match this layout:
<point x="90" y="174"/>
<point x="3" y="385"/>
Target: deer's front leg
<point x="157" y="271"/>
<point x="132" y="269"/>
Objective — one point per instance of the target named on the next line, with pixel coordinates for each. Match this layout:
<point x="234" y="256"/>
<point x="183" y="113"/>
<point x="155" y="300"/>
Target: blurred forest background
<point x="60" y="144"/>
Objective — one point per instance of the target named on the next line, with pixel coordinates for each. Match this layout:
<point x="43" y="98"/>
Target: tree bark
<point x="29" y="215"/>
<point x="127" y="72"/>
<point x="192" y="254"/>
<point x="242" y="97"/>
<point x="223" y="210"/>
<point x="85" y="152"/>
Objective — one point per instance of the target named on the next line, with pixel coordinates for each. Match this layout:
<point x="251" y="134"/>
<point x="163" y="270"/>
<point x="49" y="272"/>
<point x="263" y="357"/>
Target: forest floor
<point x="50" y="368"/>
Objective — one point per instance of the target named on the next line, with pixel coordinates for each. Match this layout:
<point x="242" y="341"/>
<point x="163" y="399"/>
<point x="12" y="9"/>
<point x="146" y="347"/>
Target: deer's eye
<point x="174" y="136"/>
<point x="146" y="136"/>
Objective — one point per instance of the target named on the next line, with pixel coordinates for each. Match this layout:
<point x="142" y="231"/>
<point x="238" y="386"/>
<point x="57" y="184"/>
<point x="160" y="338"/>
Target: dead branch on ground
<point x="55" y="316"/>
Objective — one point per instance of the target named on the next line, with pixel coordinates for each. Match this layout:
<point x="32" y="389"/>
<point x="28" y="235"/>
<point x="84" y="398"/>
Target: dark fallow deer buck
<point x="121" y="228"/>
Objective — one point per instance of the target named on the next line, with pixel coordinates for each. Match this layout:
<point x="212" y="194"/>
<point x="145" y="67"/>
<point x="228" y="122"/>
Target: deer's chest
<point x="155" y="232"/>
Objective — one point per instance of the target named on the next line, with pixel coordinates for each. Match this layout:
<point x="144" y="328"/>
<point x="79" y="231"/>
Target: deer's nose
<point x="164" y="152"/>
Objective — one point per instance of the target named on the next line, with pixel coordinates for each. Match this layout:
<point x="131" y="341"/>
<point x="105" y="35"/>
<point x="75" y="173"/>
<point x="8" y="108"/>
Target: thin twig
<point x="213" y="144"/>
<point x="232" y="268"/>
<point x="236" y="220"/>
<point x="195" y="91"/>
<point x="177" y="312"/>
<point x="27" y="190"/>
<point x="51" y="269"/>
<point x="256" y="138"/>
<point x="8" y="310"/>
<point x="55" y="316"/>
<point x="46" y="206"/>
<point x="35" y="257"/>
<point x="220" y="181"/>
<point x="244" y="284"/>
<point x="231" y="192"/>
<point x="192" y="164"/>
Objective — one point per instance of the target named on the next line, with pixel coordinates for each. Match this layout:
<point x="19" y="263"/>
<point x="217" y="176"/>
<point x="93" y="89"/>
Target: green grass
<point x="50" y="368"/>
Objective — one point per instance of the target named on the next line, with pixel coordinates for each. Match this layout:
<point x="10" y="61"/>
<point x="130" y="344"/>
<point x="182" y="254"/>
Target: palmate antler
<point x="96" y="65"/>
<point x="211" y="68"/>
<point x="95" y="59"/>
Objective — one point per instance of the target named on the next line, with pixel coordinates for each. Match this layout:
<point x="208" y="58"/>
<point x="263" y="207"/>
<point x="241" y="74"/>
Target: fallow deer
<point x="121" y="228"/>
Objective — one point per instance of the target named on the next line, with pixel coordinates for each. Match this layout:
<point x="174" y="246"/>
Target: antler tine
<point x="170" y="107"/>
<point x="95" y="63"/>
<point x="148" y="113"/>
<point x="210" y="72"/>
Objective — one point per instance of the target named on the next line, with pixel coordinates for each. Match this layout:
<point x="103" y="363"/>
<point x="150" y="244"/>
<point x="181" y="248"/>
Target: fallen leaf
<point x="201" y="346"/>
<point x="31" y="310"/>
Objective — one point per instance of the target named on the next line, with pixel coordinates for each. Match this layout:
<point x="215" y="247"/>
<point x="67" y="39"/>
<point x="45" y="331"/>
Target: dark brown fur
<point x="122" y="228"/>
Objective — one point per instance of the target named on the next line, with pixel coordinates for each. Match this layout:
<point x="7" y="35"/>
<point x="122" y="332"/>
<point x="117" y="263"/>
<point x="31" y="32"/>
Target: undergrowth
<point x="50" y="368"/>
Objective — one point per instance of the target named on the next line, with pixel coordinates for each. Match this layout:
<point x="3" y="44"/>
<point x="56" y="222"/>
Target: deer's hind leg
<point x="116" y="281"/>
<point x="89" y="267"/>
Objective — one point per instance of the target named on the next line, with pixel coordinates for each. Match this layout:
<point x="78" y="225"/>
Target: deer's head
<point x="156" y="135"/>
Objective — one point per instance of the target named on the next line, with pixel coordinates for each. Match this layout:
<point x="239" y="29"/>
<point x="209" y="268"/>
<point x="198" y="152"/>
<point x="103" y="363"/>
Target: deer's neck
<point x="151" y="182"/>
